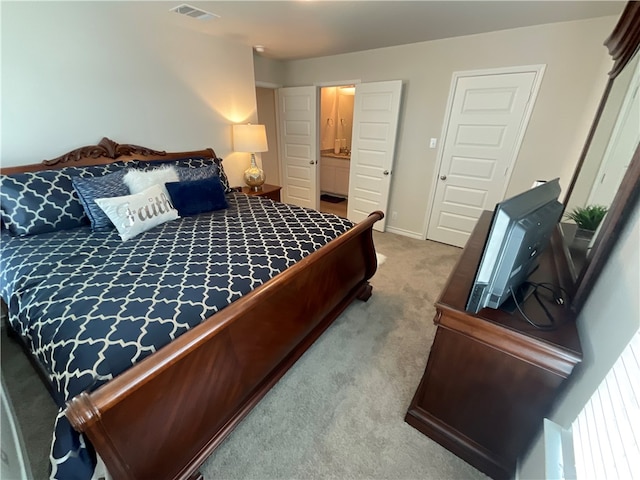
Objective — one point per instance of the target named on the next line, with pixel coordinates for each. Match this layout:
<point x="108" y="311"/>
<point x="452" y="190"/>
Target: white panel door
<point x="299" y="141"/>
<point x="375" y="125"/>
<point x="488" y="113"/>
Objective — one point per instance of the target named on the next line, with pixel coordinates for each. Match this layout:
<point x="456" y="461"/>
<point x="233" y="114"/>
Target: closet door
<point x="487" y="116"/>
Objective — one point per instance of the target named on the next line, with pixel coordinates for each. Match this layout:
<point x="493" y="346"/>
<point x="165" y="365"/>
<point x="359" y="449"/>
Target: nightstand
<point x="268" y="191"/>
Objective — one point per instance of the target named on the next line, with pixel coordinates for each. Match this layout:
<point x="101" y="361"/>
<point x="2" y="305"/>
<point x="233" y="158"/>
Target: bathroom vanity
<point x="334" y="173"/>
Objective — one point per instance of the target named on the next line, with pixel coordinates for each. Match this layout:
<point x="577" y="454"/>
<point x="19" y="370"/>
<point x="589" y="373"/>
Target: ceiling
<point x="298" y="29"/>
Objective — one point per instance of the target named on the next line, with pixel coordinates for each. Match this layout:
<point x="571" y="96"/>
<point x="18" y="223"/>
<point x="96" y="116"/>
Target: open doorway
<point x="335" y="127"/>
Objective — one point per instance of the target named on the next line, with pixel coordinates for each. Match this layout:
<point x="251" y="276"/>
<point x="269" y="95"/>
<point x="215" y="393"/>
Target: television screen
<point x="520" y="229"/>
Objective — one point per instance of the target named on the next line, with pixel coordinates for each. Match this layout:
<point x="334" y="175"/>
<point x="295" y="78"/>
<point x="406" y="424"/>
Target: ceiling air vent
<point x="194" y="12"/>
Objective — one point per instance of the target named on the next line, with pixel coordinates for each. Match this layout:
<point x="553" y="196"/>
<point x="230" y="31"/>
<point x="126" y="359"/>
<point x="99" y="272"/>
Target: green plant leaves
<point x="588" y="217"/>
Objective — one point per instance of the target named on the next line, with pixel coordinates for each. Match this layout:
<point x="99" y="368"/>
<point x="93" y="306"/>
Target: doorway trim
<point x="337" y="83"/>
<point x="539" y="70"/>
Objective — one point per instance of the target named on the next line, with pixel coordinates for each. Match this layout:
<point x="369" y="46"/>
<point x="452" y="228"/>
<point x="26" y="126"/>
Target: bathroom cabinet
<point x="334" y="175"/>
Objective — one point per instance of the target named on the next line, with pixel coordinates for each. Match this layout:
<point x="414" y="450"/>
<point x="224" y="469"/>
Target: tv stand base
<point x="491" y="378"/>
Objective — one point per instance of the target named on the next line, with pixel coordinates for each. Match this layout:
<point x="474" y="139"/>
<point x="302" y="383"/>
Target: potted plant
<point x="587" y="219"/>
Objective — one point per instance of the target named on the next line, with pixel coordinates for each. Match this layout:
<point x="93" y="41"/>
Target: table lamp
<point x="251" y="138"/>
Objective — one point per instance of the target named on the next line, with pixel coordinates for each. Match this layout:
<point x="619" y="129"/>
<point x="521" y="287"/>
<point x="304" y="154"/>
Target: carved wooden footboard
<point x="165" y="415"/>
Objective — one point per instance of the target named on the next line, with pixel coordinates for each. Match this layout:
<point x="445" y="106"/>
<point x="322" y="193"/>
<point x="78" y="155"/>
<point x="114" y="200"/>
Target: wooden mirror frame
<point x="623" y="44"/>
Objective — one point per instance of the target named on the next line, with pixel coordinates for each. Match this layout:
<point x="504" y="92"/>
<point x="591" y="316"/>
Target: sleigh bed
<point x="200" y="354"/>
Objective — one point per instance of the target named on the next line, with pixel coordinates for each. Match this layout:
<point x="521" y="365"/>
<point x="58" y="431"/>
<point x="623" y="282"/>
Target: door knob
<point x="386" y="172"/>
<point x="443" y="177"/>
<point x="312" y="162"/>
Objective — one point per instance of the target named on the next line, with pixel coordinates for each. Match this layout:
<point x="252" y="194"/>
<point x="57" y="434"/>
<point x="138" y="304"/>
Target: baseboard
<point x="405" y="233"/>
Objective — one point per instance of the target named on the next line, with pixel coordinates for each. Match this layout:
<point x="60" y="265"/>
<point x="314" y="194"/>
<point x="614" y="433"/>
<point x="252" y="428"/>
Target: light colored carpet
<point x="339" y="412"/>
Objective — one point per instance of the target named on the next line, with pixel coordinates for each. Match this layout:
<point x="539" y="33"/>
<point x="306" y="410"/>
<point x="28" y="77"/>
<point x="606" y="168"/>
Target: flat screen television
<point x="520" y="230"/>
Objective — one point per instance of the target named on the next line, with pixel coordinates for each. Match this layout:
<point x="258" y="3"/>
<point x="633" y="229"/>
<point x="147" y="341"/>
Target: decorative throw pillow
<point x="197" y="196"/>
<point x="187" y="174"/>
<point x="45" y="201"/>
<point x="137" y="213"/>
<point x="140" y="180"/>
<point x="193" y="162"/>
<point x="88" y="189"/>
<point x="223" y="177"/>
<point x="215" y="169"/>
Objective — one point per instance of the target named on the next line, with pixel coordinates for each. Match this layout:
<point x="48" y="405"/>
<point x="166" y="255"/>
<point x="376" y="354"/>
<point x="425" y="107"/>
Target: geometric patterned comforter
<point x="90" y="305"/>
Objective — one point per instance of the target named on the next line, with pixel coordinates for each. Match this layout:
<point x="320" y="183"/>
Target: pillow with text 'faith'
<point x="137" y="213"/>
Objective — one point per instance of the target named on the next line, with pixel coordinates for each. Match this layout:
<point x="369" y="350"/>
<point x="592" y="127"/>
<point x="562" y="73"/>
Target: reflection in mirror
<point x="345" y="113"/>
<point x="336" y="114"/>
<point x="614" y="142"/>
<point x="623" y="45"/>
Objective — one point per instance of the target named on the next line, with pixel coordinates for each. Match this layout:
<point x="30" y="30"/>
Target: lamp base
<point x="254" y="176"/>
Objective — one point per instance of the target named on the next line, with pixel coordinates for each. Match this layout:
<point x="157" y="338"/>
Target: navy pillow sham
<point x="45" y="201"/>
<point x="197" y="196"/>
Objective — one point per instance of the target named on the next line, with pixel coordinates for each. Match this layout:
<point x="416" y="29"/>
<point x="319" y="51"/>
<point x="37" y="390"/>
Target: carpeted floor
<point x="339" y="412"/>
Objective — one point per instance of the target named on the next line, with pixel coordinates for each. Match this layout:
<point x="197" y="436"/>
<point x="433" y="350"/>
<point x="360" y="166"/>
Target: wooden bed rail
<point x="164" y="416"/>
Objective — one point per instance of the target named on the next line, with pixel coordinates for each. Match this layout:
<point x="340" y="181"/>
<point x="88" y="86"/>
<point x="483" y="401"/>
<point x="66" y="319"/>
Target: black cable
<point x="552" y="320"/>
<point x="531" y="322"/>
<point x="556" y="290"/>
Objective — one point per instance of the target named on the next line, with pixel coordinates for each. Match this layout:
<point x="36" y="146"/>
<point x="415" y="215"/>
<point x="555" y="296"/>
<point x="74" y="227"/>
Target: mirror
<point x="336" y="118"/>
<point x="608" y="170"/>
<point x="607" y="160"/>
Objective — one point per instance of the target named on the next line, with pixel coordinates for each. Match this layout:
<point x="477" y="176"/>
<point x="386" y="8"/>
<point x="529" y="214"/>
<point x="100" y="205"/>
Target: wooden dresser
<point x="491" y="378"/>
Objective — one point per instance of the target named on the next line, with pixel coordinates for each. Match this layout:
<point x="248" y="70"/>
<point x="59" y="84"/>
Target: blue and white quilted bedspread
<point x="90" y="305"/>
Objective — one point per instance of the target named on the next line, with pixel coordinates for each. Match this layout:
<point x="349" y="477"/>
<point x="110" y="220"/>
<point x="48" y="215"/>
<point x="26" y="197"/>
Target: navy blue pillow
<point x="106" y="186"/>
<point x="197" y="196"/>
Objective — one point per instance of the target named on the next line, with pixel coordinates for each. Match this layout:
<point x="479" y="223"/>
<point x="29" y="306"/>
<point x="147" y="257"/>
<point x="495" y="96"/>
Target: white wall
<point x="266" y="106"/>
<point x="606" y="324"/>
<point x="268" y="71"/>
<point x="73" y="72"/>
<point x="575" y="77"/>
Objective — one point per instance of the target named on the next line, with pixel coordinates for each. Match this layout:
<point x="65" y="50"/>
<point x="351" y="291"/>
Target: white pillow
<point x="140" y="180"/>
<point x="134" y="214"/>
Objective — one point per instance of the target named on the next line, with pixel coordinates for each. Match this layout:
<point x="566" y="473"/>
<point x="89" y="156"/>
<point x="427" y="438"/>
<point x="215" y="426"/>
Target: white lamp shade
<point x="249" y="138"/>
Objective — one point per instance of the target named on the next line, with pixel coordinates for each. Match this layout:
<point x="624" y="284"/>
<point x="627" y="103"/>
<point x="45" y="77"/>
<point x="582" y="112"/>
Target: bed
<point x="194" y="355"/>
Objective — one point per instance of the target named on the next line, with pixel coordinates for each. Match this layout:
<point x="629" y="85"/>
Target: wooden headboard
<point x="106" y="151"/>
